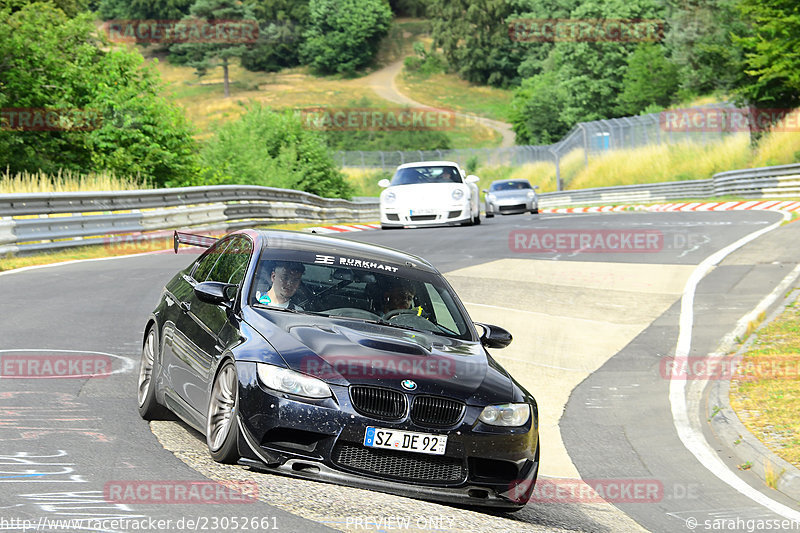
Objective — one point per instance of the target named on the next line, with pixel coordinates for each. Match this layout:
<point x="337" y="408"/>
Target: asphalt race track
<point x="592" y="327"/>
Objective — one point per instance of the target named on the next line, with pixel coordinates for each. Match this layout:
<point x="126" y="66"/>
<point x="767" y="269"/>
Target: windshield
<point x="433" y="174"/>
<point x="510" y="186"/>
<point x="355" y="288"/>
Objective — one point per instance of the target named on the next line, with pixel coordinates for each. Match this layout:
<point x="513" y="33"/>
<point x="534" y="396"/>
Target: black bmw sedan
<point x="342" y="362"/>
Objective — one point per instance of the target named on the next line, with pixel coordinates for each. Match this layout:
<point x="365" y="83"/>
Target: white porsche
<point x="429" y="193"/>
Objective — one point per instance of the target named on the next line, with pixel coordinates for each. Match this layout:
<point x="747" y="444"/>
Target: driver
<point x="285" y="277"/>
<point x="448" y="175"/>
<point x="398" y="295"/>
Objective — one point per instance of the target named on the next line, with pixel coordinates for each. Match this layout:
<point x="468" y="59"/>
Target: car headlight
<point x="507" y="414"/>
<point x="389" y="197"/>
<point x="491" y="197"/>
<point x="458" y="194"/>
<point x="531" y="195"/>
<point x="289" y="381"/>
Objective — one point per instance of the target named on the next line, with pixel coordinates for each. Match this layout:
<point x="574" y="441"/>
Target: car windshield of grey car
<point x="510" y="186"/>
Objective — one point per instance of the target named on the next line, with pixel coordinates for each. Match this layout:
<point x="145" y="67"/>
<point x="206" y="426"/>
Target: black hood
<point x="346" y="352"/>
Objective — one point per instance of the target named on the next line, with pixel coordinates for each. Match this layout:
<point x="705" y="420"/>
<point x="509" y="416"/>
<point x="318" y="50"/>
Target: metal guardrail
<point x="50" y="221"/>
<point x="45" y="221"/>
<point x="766" y="182"/>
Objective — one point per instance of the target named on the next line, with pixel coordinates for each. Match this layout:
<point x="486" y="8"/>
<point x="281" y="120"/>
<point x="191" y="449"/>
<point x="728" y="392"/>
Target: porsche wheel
<point x="222" y="430"/>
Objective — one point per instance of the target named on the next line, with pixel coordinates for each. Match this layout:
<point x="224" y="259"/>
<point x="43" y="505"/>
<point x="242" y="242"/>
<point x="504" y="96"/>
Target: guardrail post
<point x="559" y="185"/>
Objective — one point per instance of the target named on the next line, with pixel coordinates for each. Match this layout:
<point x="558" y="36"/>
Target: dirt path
<point x="383" y="83"/>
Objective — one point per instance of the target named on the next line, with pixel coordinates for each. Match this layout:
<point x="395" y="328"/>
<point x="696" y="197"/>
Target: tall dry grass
<point x="25" y="182"/>
<point x="659" y="163"/>
<point x="781" y="146"/>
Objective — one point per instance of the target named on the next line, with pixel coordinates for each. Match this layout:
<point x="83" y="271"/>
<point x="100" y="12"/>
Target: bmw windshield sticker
<point x="350" y="262"/>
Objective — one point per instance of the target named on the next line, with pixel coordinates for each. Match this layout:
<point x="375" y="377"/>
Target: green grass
<point x="365" y="181"/>
<point x="767" y="392"/>
<point x="451" y="92"/>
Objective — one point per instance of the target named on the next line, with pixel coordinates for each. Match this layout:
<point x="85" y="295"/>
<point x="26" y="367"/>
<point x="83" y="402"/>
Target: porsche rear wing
<point x="192" y="240"/>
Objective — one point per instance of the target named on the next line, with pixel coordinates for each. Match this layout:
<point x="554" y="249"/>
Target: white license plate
<point x="405" y="440"/>
<point x="412" y="212"/>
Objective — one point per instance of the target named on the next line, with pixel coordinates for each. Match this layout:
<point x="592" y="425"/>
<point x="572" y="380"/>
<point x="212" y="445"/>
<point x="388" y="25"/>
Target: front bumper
<point x="450" y="215"/>
<point x="510" y="207"/>
<point x="483" y="465"/>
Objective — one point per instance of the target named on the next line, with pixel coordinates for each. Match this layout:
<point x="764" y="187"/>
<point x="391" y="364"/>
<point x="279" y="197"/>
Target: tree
<point x="53" y="63"/>
<point x="144" y="9"/>
<point x="475" y="40"/>
<point x="588" y="73"/>
<point x="271" y="149"/>
<point x="649" y="79"/>
<point x="536" y="110"/>
<point x="70" y="7"/>
<point x="771" y="53"/>
<point x="343" y="35"/>
<point x="699" y="42"/>
<point x="282" y="24"/>
<point x="206" y="55"/>
<point x="408" y="8"/>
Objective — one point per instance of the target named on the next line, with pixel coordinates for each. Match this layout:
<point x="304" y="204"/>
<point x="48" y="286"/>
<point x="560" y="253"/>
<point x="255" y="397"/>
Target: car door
<point x="204" y="328"/>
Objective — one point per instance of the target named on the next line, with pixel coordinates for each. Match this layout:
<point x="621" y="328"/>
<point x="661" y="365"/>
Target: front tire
<point x="222" y="428"/>
<point x="149" y="368"/>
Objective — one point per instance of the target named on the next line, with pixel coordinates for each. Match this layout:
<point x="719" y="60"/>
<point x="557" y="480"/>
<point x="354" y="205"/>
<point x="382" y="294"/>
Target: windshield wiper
<point x="276" y="308"/>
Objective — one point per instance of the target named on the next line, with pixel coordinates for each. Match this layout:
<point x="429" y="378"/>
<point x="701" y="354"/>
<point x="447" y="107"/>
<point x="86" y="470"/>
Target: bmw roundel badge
<point x="408" y="384"/>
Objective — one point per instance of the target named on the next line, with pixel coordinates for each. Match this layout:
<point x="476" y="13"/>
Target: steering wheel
<point x="411" y="311"/>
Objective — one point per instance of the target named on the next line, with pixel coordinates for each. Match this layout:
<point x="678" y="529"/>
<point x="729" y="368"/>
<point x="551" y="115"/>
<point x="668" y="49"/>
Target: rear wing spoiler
<point x="192" y="240"/>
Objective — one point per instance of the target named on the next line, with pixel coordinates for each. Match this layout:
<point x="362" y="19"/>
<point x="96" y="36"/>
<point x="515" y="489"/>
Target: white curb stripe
<point x="693" y="440"/>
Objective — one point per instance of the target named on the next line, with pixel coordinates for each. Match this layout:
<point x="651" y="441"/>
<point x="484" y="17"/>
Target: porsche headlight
<point x="458" y="194"/>
<point x="491" y="197"/>
<point x="531" y="195"/>
<point x="291" y="382"/>
<point x="507" y="414"/>
<point x="389" y="197"/>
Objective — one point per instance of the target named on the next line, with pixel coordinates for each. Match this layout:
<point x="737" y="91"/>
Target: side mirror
<point x="535" y="187"/>
<point x="214" y="293"/>
<point x="494" y="336"/>
<point x="472" y="178"/>
<point x="384" y="183"/>
<point x="485" y="191"/>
